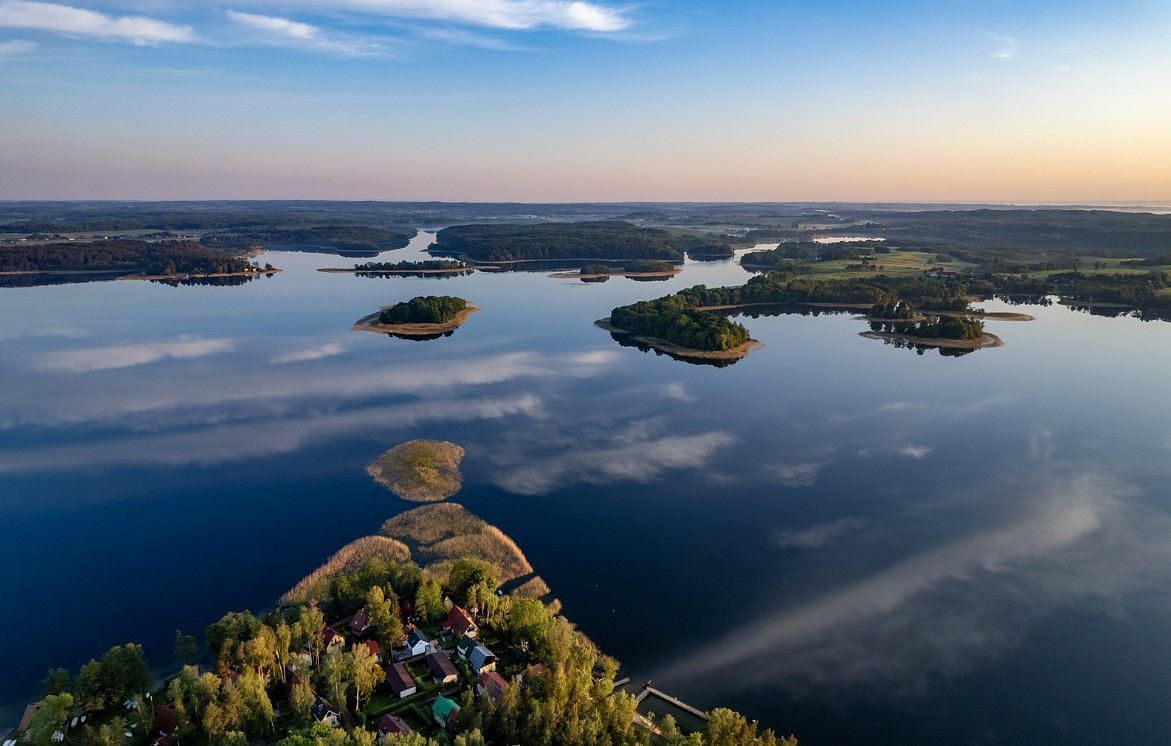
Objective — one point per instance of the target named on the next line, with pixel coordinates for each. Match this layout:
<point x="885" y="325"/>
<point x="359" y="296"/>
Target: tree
<point x="301" y="699"/>
<point x="429" y="601"/>
<point x="284" y="642"/>
<point x="112" y="733"/>
<point x="468" y="573"/>
<point x="332" y="673"/>
<point x="51" y="717"/>
<point x="57" y="681"/>
<point x="225" y="635"/>
<point x="382" y="613"/>
<point x="310" y="628"/>
<point x="364" y="672"/>
<point x="186" y="648"/>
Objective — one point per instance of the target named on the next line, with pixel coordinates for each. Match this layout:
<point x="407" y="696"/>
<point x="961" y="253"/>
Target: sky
<point x="576" y="100"/>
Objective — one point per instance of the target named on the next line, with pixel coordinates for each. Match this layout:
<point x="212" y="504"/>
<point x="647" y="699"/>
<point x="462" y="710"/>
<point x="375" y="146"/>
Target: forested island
<point x="351" y="240"/>
<point x="608" y="239"/>
<point x="128" y="258"/>
<point x="436" y="632"/>
<point x="635" y="269"/>
<point x="420" y="470"/>
<point x="424" y="316"/>
<point x="407" y="268"/>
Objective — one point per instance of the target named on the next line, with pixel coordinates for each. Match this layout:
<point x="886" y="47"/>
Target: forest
<point x="133" y="256"/>
<point x="671" y="320"/>
<point x="609" y="239"/>
<point x="407" y="266"/>
<point x="424" y="309"/>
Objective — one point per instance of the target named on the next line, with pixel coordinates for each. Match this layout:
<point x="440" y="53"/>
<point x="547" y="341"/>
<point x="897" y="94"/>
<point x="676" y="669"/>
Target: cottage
<point x="388" y="724"/>
<point x="491" y="685"/>
<point x="332" y="638"/>
<point x="400" y="681"/>
<point x="444" y="711"/>
<point x="360" y="623"/>
<point x="459" y="623"/>
<point x="417" y="643"/>
<point x="323" y="713"/>
<point x="482" y="659"/>
<point x="465" y="646"/>
<point x="374" y="648"/>
<point x="441" y="667"/>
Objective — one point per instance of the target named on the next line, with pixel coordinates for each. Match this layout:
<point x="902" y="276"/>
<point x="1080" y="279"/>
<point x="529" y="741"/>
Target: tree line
<point x="424" y="309"/>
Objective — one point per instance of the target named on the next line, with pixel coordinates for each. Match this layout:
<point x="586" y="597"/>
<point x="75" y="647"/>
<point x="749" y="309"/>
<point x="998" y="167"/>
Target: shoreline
<point x="366" y="324"/>
<point x="215" y="275"/>
<point x="670" y="348"/>
<point x="600" y="275"/>
<point x="343" y="271"/>
<point x="985" y="340"/>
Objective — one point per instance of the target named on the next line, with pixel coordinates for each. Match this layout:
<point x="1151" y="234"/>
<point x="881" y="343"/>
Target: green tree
<point x="429" y="601"/>
<point x="332" y="674"/>
<point x="57" y="681"/>
<point x="301" y="699"/>
<point x="382" y="613"/>
<point x="49" y="718"/>
<point x="364" y="671"/>
<point x="186" y="648"/>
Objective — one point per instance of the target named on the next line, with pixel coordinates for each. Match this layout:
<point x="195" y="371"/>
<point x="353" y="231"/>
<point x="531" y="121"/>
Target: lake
<point x="850" y="541"/>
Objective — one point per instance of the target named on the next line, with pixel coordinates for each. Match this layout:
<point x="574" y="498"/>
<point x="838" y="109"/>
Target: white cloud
<point x="62" y="332"/>
<point x="817" y="535"/>
<point x="575" y="15"/>
<point x="801" y="474"/>
<point x="128" y="356"/>
<point x="67" y="19"/>
<point x="914" y="451"/>
<point x="1006" y="47"/>
<point x="631" y="458"/>
<point x="330" y="349"/>
<point x="277" y="30"/>
<point x="677" y="392"/>
<point x="15" y="47"/>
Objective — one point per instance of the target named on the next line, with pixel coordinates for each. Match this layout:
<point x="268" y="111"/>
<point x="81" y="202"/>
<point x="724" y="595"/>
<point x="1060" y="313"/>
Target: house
<point x="444" y="711"/>
<point x="465" y="646"/>
<point x="27" y="717"/>
<point x="165" y="720"/>
<point x="459" y="623"/>
<point x="360" y="623"/>
<point x="535" y="670"/>
<point x="482" y="659"/>
<point x="392" y="724"/>
<point x="332" y="638"/>
<point x="441" y="667"/>
<point x="374" y="648"/>
<point x="491" y="685"/>
<point x="323" y="713"/>
<point x="417" y="643"/>
<point x="400" y="680"/>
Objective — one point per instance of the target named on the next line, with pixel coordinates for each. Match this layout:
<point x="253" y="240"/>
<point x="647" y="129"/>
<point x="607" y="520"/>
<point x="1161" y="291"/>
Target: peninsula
<point x="422" y="317"/>
<point x="637" y="269"/>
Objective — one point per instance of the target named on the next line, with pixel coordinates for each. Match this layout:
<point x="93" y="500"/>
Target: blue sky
<point x="555" y="100"/>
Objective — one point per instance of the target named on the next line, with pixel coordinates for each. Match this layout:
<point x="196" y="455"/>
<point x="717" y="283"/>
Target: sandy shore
<point x="675" y="350"/>
<point x="370" y="324"/>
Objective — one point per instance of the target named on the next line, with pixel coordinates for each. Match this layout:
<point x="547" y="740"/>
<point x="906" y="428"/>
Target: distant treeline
<point x="429" y="264"/>
<point x="784" y="256"/>
<point x="1143" y="291"/>
<point x="787" y="288"/>
<point x="425" y="309"/>
<point x="609" y="239"/>
<point x="186" y="257"/>
<point x="343" y="238"/>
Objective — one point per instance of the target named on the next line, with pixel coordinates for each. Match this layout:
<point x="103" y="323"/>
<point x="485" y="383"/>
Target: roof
<point x="443" y="708"/>
<point x="493" y="683"/>
<point x="392" y="724"/>
<point x="481" y="655"/>
<point x="29" y="711"/>
<point x="330" y="634"/>
<point x="360" y="623"/>
<point x="373" y="646"/>
<point x="399" y="678"/>
<point x="165" y="720"/>
<point x="440" y="665"/>
<point x="415" y="637"/>
<point x="465" y="646"/>
<point x="459" y="621"/>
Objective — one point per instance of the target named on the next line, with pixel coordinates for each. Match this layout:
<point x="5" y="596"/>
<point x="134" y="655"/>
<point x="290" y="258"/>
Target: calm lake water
<point x="849" y="541"/>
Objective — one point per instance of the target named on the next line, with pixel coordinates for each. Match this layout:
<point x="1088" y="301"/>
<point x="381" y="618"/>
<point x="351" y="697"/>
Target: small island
<point x="668" y="326"/>
<point x="423" y="317"/>
<point x="902" y="321"/>
<point x="420" y="470"/>
<point x="406" y="268"/>
<point x="636" y="269"/>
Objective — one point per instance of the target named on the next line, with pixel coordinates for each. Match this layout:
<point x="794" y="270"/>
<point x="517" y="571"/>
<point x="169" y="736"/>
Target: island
<point x="670" y="327"/>
<point x="424" y="317"/>
<point x="606" y="240"/>
<point x="420" y="470"/>
<point x="635" y="269"/>
<point x="406" y="268"/>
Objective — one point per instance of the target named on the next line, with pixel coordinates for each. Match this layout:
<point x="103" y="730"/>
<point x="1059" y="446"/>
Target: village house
<point x="324" y="713"/>
<point x="459" y="623"/>
<point x="388" y="724"/>
<point x="491" y="685"/>
<point x="417" y="643"/>
<point x="359" y="624"/>
<point x="482" y="659"/>
<point x="374" y="648"/>
<point x="465" y="646"/>
<point x="332" y="638"/>
<point x="441" y="667"/>
<point x="400" y="681"/>
<point x="445" y="712"/>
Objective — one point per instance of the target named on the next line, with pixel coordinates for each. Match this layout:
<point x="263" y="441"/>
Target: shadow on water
<point x="626" y="340"/>
<point x="422" y="337"/>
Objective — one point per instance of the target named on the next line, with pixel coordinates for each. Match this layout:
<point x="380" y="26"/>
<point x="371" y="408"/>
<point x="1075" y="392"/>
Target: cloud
<point x="15" y="47"/>
<point x="801" y="474"/>
<point x="128" y="356"/>
<point x="817" y="535"/>
<point x="943" y="607"/>
<point x="573" y="15"/>
<point x="275" y="29"/>
<point x="330" y="349"/>
<point x="914" y="451"/>
<point x="466" y="38"/>
<point x="632" y="457"/>
<point x="677" y="392"/>
<point x="60" y="332"/>
<point x="234" y="443"/>
<point x="67" y="19"/>
<point x="1006" y="47"/>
